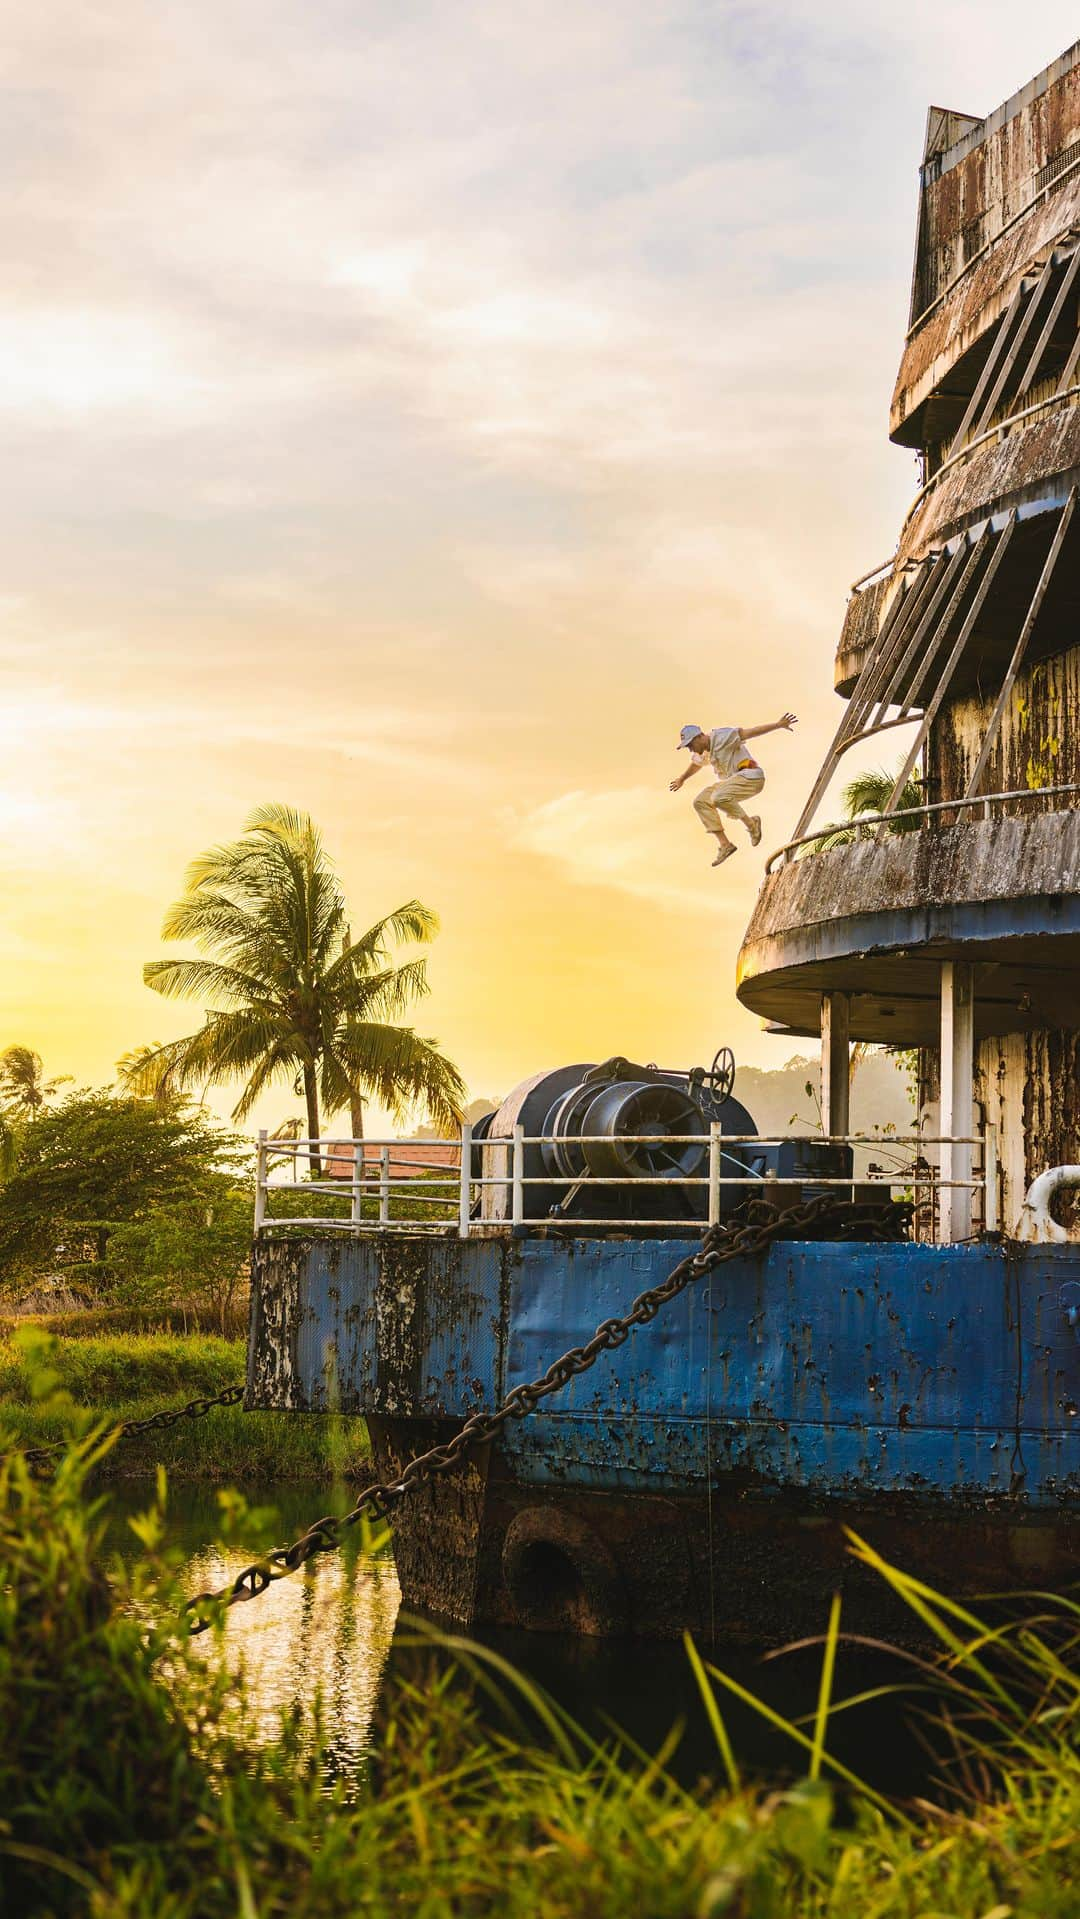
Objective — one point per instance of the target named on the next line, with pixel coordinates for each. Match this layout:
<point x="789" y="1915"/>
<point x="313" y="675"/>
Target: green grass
<point x="107" y="1371"/>
<point x="47" y="1382"/>
<point x="91" y="1322"/>
<point x="132" y="1782"/>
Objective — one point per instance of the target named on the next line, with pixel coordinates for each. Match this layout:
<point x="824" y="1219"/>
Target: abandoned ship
<point x="923" y="1390"/>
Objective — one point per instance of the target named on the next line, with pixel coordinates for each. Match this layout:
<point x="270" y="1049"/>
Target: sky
<point x="416" y="414"/>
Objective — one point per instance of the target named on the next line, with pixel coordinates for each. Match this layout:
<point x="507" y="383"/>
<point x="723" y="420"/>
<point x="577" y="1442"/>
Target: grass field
<point x="131" y="1784"/>
<point x="49" y="1382"/>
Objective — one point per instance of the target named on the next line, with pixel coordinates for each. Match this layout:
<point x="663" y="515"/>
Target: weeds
<point x="132" y="1782"/>
<point x="50" y="1387"/>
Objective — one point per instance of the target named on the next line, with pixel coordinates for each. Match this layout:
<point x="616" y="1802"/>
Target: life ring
<point x="560" y="1576"/>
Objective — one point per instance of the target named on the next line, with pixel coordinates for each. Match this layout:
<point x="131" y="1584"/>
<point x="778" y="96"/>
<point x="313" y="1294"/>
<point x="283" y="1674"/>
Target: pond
<point x="338" y="1629"/>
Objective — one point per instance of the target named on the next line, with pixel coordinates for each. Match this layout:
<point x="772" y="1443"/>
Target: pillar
<point x="957" y="1094"/>
<point x="835" y="1064"/>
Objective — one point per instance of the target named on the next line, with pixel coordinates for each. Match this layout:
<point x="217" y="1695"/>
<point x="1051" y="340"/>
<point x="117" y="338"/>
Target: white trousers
<point x="727" y="797"/>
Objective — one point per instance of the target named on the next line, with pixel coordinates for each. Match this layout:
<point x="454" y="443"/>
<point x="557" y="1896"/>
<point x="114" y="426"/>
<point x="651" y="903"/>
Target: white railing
<point x="386" y="1200"/>
<point x="852" y="829"/>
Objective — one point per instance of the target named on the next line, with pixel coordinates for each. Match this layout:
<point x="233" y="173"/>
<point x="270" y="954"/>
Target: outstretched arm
<point x="786" y="722"/>
<point x="695" y="766"/>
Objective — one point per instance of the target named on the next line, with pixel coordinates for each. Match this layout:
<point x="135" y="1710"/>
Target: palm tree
<point x="289" y="997"/>
<point x="145" y="1062"/>
<point x="869" y="793"/>
<point x="24" y="1093"/>
<point x="23" y="1085"/>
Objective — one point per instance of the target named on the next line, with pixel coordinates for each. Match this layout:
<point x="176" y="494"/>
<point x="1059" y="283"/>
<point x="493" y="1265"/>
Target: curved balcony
<point x="995" y="881"/>
<point x="1023" y="461"/>
<point x="1025" y="465"/>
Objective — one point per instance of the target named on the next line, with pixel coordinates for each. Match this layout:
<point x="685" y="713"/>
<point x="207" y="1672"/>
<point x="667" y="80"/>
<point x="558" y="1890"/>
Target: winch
<point x="617" y="1140"/>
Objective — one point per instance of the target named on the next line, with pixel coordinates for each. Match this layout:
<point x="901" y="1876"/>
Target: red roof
<point x="407" y="1157"/>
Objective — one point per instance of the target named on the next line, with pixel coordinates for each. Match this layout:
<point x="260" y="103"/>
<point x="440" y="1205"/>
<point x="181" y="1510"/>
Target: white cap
<point x="689" y="734"/>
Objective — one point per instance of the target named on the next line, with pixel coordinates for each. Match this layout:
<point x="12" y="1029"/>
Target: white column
<point x="835" y="1064"/>
<point x="957" y="1094"/>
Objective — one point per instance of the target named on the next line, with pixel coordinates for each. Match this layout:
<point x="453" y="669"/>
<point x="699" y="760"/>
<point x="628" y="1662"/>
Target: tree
<point x="130" y="1066"/>
<point x="869" y="793"/>
<point x="94" y="1162"/>
<point x="193" y="1252"/>
<point x="24" y="1092"/>
<point x="22" y="1081"/>
<point x="291" y="995"/>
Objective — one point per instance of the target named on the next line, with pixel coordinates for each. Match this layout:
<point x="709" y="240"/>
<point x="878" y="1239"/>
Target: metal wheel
<point x="722" y="1075"/>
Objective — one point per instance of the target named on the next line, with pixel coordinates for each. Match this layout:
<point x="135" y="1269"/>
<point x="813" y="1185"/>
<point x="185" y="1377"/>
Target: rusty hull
<point x="703" y="1473"/>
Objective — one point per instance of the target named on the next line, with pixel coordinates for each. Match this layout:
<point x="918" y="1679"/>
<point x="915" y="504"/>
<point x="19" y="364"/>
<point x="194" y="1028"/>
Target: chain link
<point x="153" y="1423"/>
<point x="750" y="1231"/>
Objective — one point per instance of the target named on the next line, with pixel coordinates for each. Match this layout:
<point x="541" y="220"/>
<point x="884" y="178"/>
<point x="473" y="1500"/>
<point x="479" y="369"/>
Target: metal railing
<point x="1000" y="430"/>
<point x="851" y="829"/>
<point x="386" y="1201"/>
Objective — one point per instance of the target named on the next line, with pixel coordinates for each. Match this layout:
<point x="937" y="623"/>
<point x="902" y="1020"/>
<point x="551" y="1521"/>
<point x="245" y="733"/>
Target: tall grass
<point x="46" y="1383"/>
<point x="115" y="1369"/>
<point x="132" y="1783"/>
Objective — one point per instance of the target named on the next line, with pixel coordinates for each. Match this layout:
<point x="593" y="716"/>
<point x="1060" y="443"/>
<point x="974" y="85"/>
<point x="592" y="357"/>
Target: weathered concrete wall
<point x="977" y="302"/>
<point x="1028" y="1084"/>
<point x="1039" y="741"/>
<point x="1032" y="463"/>
<point x="863" y="617"/>
<point x="972" y="191"/>
<point x="969" y="198"/>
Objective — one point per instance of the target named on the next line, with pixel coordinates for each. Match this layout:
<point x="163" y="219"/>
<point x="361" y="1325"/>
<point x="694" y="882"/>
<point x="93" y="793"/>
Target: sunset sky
<point x="416" y="413"/>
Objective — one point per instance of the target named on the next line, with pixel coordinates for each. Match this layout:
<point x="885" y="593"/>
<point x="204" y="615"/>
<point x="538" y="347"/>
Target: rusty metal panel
<point x="390" y="1324"/>
<point x="828" y="1367"/>
<point x="948" y="1376"/>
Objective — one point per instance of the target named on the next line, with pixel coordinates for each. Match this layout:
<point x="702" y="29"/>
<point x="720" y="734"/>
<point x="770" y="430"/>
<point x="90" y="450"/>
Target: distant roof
<point x="406" y="1156"/>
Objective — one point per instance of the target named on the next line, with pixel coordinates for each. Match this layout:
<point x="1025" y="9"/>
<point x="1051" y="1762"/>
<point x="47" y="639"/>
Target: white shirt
<point x="726" y="748"/>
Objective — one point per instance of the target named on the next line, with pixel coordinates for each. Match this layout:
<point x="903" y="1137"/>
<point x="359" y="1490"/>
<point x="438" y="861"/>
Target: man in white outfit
<point x="738" y="777"/>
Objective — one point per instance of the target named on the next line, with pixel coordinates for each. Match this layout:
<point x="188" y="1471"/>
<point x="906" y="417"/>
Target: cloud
<point x="622" y="838"/>
<point x="410" y="407"/>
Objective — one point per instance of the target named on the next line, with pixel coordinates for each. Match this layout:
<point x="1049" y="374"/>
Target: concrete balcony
<point x="1037" y="505"/>
<point x="875" y="919"/>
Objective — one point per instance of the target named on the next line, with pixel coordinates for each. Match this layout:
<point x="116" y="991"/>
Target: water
<point x="338" y="1629"/>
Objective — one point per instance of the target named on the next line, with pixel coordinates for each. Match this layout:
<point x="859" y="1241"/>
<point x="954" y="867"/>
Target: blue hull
<point x="928" y="1395"/>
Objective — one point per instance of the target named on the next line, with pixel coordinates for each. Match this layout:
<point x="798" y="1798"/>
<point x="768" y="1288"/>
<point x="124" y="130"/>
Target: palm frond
<point x="22" y="1078"/>
<point x="869" y="793"/>
<point x="383" y="995"/>
<point x="412" y="924"/>
<point x="395" y="1066"/>
<point x="205" y="979"/>
<point x="150" y="1072"/>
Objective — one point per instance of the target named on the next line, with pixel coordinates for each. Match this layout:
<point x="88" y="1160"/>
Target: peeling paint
<point x="786" y="1385"/>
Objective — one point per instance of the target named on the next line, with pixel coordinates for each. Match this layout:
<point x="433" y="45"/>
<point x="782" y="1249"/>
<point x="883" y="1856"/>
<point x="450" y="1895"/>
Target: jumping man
<point x="738" y="777"/>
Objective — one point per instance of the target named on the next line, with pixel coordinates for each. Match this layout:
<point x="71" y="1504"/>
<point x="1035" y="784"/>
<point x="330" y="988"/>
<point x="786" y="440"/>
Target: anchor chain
<point x="752" y="1230"/>
<point x="153" y="1423"/>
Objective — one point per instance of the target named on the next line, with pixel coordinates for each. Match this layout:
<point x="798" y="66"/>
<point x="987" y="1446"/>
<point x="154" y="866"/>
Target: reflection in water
<point x="326" y="1630"/>
<point x="331" y="1630"/>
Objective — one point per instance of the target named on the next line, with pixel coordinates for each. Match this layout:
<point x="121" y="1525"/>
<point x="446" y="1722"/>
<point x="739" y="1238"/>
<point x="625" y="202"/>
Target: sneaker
<point x="724" y="854"/>
<point x="753" y="822"/>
